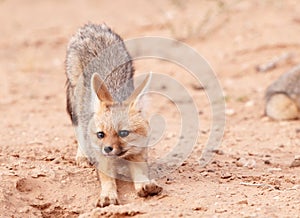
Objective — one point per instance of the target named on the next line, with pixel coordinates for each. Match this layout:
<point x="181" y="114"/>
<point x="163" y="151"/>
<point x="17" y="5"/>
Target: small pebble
<point x="57" y="160"/>
<point x="168" y="182"/>
<point x="218" y="151"/>
<point x="220" y="210"/>
<point x="243" y="202"/>
<point x="226" y="175"/>
<point x="22" y="185"/>
<point x="295" y="163"/>
<point x="200" y="208"/>
<point x="25" y="209"/>
<point x="249" y="103"/>
<point x="229" y="111"/>
<point x="271" y="170"/>
<point x="239" y="164"/>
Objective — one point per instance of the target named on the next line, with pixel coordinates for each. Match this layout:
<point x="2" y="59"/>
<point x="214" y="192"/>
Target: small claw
<point x="104" y="201"/>
<point x="149" y="189"/>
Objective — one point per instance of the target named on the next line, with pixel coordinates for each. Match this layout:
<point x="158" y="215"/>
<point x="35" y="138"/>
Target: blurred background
<point x="236" y="37"/>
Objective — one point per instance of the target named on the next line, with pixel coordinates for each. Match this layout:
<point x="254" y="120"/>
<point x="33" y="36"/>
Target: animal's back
<point x="96" y="49"/>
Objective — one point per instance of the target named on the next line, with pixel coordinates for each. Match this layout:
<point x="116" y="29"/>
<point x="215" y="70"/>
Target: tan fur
<point x="281" y="107"/>
<point x="101" y="99"/>
<point x="283" y="96"/>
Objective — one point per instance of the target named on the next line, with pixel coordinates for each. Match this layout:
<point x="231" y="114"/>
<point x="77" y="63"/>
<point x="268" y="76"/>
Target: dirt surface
<point x="250" y="174"/>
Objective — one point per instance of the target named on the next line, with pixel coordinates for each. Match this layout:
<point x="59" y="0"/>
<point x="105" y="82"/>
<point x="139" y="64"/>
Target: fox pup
<point x="283" y="96"/>
<point x="106" y="111"/>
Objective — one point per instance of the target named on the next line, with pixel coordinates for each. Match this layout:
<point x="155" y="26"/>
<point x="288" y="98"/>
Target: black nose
<point x="108" y="149"/>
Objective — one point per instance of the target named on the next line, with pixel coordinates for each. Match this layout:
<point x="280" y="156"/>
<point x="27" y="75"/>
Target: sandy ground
<point x="250" y="174"/>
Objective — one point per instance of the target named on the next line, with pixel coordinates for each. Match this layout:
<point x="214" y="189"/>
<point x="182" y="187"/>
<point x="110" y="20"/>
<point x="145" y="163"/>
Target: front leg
<point x="108" y="194"/>
<point x="142" y="184"/>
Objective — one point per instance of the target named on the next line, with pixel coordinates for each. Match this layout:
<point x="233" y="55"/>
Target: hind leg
<point x="81" y="157"/>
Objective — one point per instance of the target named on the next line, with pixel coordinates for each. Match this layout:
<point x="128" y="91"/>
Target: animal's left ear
<point x="100" y="93"/>
<point x="100" y="89"/>
<point x="134" y="99"/>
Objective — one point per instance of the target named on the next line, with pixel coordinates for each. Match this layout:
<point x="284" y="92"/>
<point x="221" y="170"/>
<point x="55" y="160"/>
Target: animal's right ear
<point x="134" y="99"/>
<point x="100" y="92"/>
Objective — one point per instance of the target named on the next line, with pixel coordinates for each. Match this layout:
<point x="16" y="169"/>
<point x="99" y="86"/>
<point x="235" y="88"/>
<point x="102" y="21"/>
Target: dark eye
<point x="123" y="133"/>
<point x="100" y="135"/>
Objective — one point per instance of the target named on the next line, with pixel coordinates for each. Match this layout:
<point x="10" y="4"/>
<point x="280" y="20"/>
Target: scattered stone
<point x="25" y="209"/>
<point x="49" y="158"/>
<point x="272" y="64"/>
<point x="220" y="210"/>
<point x="200" y="208"/>
<point x="170" y="135"/>
<point x="265" y="119"/>
<point x="197" y="86"/>
<point x="112" y="211"/>
<point x="275" y="182"/>
<point x="168" y="182"/>
<point x="218" y="151"/>
<point x="37" y="173"/>
<point x="57" y="160"/>
<point x="184" y="163"/>
<point x="243" y="202"/>
<point x="205" y="131"/>
<point x="41" y="206"/>
<point x="22" y="185"/>
<point x="204" y="173"/>
<point x="15" y="155"/>
<point x="272" y="170"/>
<point x="242" y="162"/>
<point x="239" y="163"/>
<point x="40" y="197"/>
<point x="229" y="111"/>
<point x="226" y="175"/>
<point x="296" y="162"/>
<point x="249" y="103"/>
<point x="35" y="143"/>
<point x="163" y="87"/>
<point x="295" y="187"/>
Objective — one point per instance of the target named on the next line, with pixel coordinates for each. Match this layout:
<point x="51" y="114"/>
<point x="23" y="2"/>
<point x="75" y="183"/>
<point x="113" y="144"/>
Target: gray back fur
<point x="96" y="49"/>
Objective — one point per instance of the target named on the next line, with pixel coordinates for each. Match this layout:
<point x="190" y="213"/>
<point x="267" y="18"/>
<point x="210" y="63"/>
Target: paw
<point x="106" y="200"/>
<point x="82" y="161"/>
<point x="149" y="189"/>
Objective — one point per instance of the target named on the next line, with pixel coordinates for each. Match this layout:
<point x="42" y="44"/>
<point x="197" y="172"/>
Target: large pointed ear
<point x="135" y="97"/>
<point x="100" y="92"/>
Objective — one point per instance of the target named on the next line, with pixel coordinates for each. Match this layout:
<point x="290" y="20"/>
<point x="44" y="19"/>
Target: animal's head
<point x="118" y="129"/>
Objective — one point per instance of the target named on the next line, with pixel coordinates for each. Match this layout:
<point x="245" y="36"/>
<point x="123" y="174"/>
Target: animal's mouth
<point x="122" y="153"/>
<point x="114" y="155"/>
